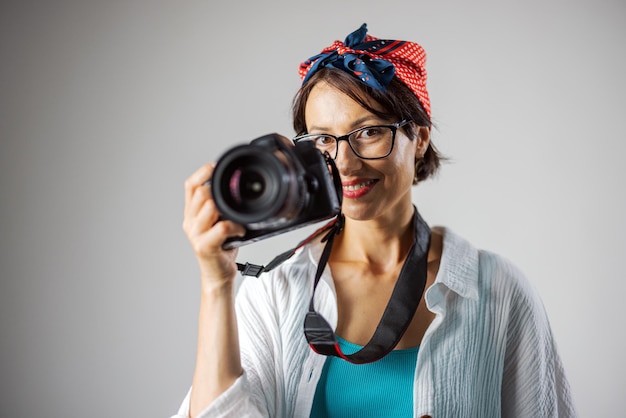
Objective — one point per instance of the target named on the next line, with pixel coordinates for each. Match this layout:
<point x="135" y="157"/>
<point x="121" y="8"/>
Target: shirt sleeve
<point x="533" y="382"/>
<point x="255" y="393"/>
<point x="232" y="403"/>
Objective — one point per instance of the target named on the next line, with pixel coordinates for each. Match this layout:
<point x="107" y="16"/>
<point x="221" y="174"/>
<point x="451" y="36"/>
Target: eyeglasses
<point x="368" y="143"/>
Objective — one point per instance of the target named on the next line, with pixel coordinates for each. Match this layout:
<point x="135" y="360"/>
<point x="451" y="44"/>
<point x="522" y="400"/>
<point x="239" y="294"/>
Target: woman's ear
<point x="423" y="140"/>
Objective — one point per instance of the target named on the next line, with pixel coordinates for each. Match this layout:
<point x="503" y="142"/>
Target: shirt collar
<point x="458" y="269"/>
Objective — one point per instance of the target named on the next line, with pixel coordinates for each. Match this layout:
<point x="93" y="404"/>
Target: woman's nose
<point x="346" y="160"/>
<point x="344" y="152"/>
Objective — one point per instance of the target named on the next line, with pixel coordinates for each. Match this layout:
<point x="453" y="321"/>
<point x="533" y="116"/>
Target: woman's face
<point x="372" y="189"/>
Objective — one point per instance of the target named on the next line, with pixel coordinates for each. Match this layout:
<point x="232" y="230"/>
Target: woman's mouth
<point x="356" y="189"/>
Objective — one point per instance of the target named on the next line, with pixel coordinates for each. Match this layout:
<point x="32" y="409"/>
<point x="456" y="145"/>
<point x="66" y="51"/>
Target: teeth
<point x="357" y="186"/>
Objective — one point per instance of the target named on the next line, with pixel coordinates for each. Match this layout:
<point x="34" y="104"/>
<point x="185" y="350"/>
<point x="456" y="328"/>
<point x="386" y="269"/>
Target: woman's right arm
<point x="218" y="362"/>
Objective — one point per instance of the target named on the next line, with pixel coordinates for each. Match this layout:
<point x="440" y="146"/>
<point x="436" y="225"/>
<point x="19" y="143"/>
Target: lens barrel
<point x="252" y="186"/>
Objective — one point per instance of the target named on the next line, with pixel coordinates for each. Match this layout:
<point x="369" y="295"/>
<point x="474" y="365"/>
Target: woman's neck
<point x="379" y="242"/>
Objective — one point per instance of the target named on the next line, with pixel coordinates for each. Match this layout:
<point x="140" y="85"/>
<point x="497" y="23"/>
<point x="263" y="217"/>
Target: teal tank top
<point x="383" y="389"/>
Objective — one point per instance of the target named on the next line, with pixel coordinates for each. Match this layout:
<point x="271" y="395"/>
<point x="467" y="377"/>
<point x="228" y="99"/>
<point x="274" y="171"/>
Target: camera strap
<point x="398" y="314"/>
<point x="400" y="309"/>
<point x="256" y="270"/>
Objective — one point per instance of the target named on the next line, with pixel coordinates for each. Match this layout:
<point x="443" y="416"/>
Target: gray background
<point x="106" y="107"/>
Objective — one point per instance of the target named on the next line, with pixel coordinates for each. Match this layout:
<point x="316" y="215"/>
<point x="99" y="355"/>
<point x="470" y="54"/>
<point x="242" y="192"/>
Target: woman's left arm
<point x="533" y="381"/>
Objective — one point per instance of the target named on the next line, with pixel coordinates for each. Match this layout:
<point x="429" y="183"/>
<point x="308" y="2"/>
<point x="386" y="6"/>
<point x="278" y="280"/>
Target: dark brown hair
<point x="397" y="101"/>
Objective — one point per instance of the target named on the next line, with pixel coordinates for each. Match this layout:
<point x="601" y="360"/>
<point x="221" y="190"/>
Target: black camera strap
<point x="400" y="309"/>
<point x="398" y="314"/>
<point x="256" y="270"/>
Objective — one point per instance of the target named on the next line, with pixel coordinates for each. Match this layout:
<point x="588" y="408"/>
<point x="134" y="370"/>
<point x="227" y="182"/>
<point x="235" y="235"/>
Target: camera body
<point x="271" y="186"/>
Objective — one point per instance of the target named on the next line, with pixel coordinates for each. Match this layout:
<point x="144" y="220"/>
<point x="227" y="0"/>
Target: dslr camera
<point x="271" y="186"/>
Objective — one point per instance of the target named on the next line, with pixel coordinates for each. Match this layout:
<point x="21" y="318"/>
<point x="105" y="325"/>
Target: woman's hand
<point x="218" y="363"/>
<point x="206" y="232"/>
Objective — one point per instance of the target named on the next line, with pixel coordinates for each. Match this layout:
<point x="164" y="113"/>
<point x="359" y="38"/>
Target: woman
<point x="478" y="344"/>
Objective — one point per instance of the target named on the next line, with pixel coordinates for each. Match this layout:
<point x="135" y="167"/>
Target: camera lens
<point x="246" y="185"/>
<point x="252" y="186"/>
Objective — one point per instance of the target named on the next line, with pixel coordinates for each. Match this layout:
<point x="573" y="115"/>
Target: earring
<point x="419" y="162"/>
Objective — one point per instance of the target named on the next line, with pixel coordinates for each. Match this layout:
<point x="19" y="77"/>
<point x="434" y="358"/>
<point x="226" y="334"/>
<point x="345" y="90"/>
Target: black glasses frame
<point x="394" y="128"/>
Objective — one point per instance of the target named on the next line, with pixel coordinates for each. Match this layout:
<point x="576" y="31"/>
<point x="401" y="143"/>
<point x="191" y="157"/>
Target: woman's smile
<point x="357" y="188"/>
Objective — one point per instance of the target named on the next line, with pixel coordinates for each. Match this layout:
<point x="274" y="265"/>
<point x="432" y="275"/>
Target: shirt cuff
<point x="234" y="402"/>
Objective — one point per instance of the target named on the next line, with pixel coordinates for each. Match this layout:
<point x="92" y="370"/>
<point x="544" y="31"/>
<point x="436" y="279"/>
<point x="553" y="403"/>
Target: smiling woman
<point x="444" y="329"/>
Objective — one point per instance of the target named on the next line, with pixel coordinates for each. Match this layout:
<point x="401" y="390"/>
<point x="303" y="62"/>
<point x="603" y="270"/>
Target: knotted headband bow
<point x="374" y="61"/>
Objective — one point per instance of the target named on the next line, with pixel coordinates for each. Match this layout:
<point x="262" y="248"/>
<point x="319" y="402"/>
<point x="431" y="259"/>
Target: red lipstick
<point x="357" y="188"/>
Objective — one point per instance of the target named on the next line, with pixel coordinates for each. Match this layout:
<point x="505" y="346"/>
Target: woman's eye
<point x="370" y="133"/>
<point x="324" y="141"/>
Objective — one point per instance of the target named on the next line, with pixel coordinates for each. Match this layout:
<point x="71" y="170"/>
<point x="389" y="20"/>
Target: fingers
<point x="201" y="220"/>
<point x="207" y="245"/>
<point x="196" y="189"/>
<point x="216" y="236"/>
<point x="201" y="175"/>
<point x="202" y="214"/>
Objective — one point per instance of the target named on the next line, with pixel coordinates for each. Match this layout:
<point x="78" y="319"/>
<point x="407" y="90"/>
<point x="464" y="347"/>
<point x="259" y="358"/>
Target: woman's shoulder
<point x="490" y="271"/>
<point x="492" y="281"/>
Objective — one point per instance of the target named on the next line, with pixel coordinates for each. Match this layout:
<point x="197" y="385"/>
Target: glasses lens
<point x="324" y="143"/>
<point x="369" y="142"/>
<point x="372" y="141"/>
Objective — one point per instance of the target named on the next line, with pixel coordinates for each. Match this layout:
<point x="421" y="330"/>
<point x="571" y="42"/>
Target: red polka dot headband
<point x="374" y="61"/>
